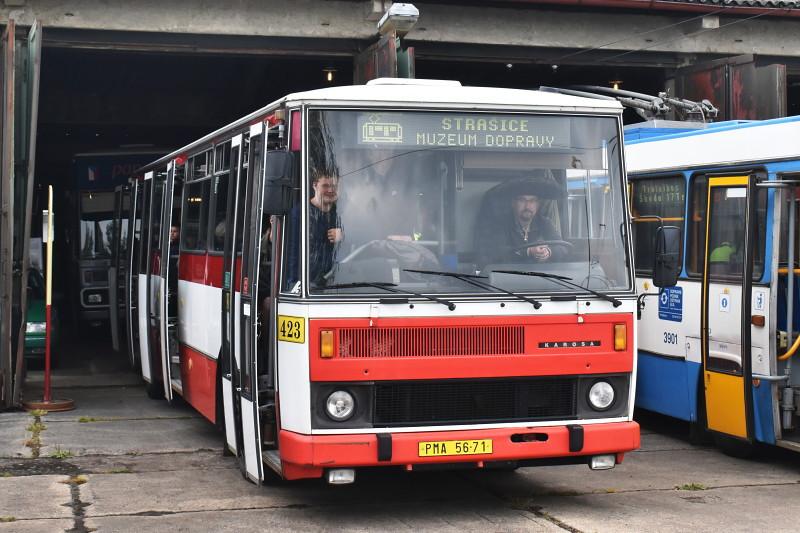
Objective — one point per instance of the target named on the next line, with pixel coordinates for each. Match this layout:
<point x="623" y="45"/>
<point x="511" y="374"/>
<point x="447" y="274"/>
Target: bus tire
<point x="735" y="447"/>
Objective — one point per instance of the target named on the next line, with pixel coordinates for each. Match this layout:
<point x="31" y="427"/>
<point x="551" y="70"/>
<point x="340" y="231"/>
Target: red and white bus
<point x="419" y="332"/>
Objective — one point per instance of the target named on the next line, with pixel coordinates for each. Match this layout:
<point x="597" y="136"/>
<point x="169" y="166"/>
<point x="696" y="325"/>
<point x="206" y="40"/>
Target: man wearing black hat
<point x="506" y="240"/>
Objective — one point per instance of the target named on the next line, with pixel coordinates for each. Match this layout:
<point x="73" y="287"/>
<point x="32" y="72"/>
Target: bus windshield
<point x="469" y="193"/>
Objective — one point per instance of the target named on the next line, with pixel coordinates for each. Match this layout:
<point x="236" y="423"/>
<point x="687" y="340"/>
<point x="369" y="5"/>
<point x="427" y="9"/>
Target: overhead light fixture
<point x="399" y="18"/>
<point x="615" y="84"/>
<point x="329" y="72"/>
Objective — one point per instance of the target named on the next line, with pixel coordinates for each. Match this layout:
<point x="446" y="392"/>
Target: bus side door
<point x="248" y="311"/>
<point x="166" y="293"/>
<point x="231" y="296"/>
<point x="132" y="272"/>
<point x="726" y="315"/>
<point x="114" y="272"/>
<point x="143" y="283"/>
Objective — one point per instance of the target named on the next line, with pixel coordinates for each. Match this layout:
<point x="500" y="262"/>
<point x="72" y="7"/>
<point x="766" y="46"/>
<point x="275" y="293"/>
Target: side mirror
<point x="279" y="173"/>
<point x="666" y="266"/>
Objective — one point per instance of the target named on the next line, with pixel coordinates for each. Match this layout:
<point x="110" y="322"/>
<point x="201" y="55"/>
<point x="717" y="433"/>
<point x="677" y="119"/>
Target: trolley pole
<point x="47" y="403"/>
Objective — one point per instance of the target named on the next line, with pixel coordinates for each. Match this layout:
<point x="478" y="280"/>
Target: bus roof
<point x="417" y="93"/>
<point x="726" y="143"/>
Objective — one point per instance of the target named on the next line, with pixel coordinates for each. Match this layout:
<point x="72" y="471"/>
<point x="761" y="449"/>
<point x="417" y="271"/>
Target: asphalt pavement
<point x="121" y="462"/>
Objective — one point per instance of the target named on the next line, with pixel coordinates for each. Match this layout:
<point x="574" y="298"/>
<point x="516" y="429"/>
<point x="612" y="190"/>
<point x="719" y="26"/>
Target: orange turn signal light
<point x="620" y="337"/>
<point x="326" y="343"/>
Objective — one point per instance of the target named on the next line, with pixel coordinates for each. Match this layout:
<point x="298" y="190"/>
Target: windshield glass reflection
<point x="472" y="194"/>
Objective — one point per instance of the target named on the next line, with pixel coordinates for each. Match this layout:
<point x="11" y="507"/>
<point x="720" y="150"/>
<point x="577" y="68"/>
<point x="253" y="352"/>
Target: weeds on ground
<point x="6" y="474"/>
<point x="120" y="470"/>
<point x="7" y="519"/>
<point x="37" y="412"/>
<point x="86" y="419"/>
<point x="690" y="486"/>
<point x="60" y="453"/>
<point x="36" y="427"/>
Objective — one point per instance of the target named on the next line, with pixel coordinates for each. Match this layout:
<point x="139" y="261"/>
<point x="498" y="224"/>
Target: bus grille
<point x="431" y="341"/>
<point x="459" y="402"/>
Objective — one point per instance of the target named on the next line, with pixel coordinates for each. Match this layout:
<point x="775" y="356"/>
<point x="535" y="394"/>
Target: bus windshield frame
<point x="468" y="192"/>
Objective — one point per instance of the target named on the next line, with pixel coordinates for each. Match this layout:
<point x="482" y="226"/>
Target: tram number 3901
<point x="670" y="338"/>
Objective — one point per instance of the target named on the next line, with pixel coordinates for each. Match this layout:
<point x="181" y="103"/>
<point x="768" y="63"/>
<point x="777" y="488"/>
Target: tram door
<point x="132" y="272"/>
<point x="166" y="294"/>
<point x="116" y="270"/>
<point x="248" y="310"/>
<point x="231" y="293"/>
<point x="726" y="316"/>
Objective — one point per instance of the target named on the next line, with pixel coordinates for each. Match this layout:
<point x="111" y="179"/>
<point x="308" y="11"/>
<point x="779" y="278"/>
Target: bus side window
<point x="292" y="244"/>
<point x="193" y="230"/>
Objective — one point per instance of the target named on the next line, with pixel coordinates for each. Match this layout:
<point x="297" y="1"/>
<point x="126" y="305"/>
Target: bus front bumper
<point x="308" y="456"/>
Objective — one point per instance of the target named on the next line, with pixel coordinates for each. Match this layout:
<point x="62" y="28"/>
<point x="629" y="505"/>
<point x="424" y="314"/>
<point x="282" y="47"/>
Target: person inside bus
<point x="520" y="223"/>
<point x="174" y="235"/>
<point x="324" y="228"/>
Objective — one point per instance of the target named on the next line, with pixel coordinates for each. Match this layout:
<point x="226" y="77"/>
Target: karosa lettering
<point x="568" y="344"/>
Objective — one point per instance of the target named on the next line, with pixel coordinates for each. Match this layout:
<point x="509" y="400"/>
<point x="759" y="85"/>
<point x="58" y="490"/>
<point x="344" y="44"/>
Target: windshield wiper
<point x="562" y="279"/>
<point x="472" y="280"/>
<point x="388" y="287"/>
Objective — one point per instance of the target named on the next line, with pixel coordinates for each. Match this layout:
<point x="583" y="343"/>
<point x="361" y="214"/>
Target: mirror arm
<point x="640" y="302"/>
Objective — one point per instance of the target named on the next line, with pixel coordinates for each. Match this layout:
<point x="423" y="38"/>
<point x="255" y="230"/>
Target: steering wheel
<point x="565" y="244"/>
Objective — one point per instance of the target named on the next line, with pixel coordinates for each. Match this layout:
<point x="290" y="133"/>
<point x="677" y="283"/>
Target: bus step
<point x="272" y="459"/>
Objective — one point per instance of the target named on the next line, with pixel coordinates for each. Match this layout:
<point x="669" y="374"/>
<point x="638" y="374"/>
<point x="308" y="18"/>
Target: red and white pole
<point x="47" y="402"/>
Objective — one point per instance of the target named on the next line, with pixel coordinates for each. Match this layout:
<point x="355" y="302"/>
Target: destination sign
<point x="448" y="130"/>
<point x="654" y="197"/>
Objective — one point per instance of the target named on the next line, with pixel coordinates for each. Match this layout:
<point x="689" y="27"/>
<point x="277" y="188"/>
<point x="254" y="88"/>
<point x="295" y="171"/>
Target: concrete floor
<point x="121" y="462"/>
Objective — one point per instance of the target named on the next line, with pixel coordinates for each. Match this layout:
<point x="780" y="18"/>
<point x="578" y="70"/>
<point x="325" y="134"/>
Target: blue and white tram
<point x="717" y="349"/>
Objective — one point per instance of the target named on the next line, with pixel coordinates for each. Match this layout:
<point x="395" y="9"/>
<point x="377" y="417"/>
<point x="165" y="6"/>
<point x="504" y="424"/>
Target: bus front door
<point x="726" y="316"/>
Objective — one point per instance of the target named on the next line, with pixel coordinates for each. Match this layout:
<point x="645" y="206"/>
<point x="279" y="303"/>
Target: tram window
<point x="662" y="197"/>
<point x="723" y="230"/>
<point x="219" y="222"/>
<point x="195" y="218"/>
<point x="727" y="229"/>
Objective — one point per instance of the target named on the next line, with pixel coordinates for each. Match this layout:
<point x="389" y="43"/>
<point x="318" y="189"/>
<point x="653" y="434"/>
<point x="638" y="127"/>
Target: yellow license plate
<point x="455" y="447"/>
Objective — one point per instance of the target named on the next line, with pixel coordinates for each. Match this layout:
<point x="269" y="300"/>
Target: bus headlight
<point x="340" y="405"/>
<point x="601" y="395"/>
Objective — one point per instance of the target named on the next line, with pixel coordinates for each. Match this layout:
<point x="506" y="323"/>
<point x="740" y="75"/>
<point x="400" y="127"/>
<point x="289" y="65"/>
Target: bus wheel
<point x="735" y="447"/>
<point x="155" y="390"/>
